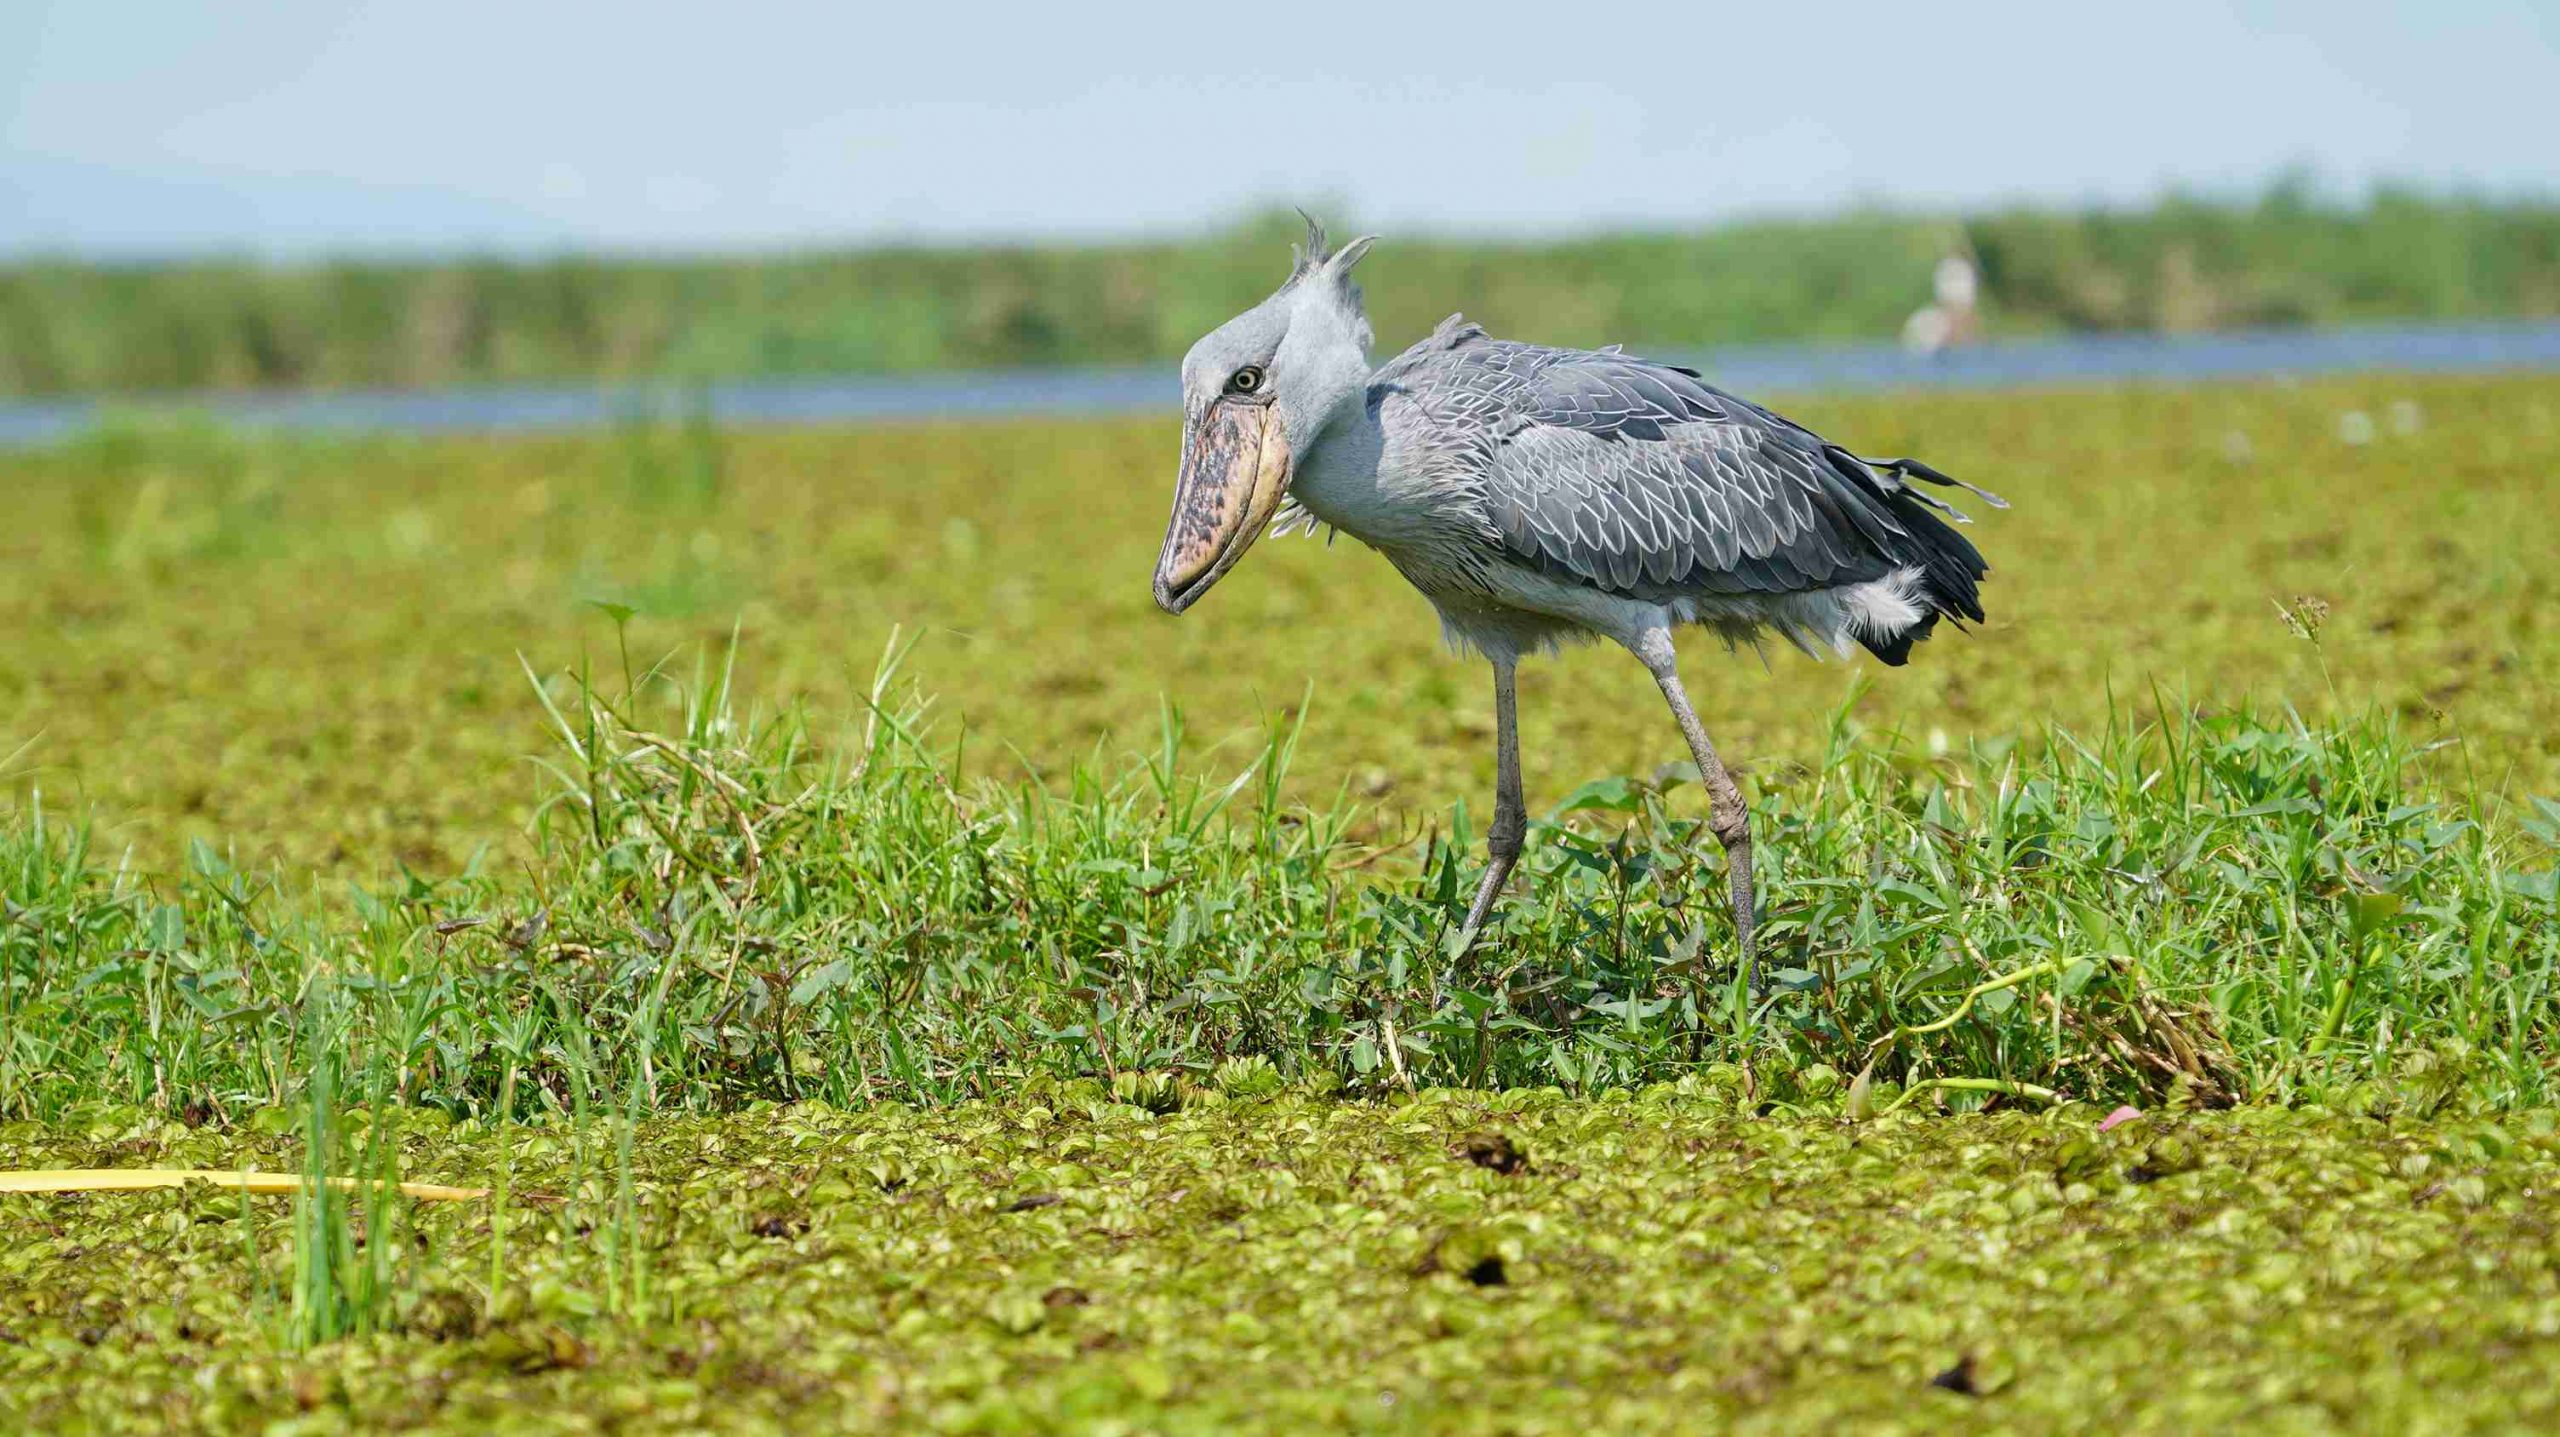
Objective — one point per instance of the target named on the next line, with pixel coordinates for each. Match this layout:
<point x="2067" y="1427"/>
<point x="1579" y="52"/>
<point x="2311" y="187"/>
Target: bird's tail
<point x="1951" y="569"/>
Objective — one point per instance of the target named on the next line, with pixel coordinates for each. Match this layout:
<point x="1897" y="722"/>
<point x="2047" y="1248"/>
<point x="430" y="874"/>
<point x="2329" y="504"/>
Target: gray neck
<point x="1337" y="480"/>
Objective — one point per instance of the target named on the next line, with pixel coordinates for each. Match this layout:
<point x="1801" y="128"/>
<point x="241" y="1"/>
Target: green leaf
<point x="2368" y="912"/>
<point x="822" y="980"/>
<point x="1616" y="795"/>
<point x="2545" y="824"/>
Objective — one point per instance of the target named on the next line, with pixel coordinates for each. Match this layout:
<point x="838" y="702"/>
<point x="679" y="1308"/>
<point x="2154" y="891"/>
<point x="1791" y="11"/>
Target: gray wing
<point x="1640" y="478"/>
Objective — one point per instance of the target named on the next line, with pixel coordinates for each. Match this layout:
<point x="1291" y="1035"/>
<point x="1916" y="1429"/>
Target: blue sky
<point x="291" y="128"/>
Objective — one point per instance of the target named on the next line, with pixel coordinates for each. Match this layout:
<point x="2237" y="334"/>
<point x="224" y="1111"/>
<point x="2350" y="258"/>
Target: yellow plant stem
<point x="2050" y="968"/>
<point x="1974" y="1085"/>
<point x="95" y="1180"/>
<point x="1860" y="1086"/>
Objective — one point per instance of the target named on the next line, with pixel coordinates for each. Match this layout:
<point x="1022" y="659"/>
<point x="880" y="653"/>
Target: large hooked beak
<point x="1235" y="471"/>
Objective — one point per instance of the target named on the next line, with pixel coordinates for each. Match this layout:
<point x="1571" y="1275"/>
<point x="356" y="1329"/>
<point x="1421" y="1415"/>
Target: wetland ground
<point x="775" y="856"/>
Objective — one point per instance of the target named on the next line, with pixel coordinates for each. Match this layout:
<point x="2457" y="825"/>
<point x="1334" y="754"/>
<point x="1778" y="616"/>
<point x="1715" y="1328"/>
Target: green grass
<point x="2284" y="258"/>
<point x="723" y="910"/>
<point x="571" y="814"/>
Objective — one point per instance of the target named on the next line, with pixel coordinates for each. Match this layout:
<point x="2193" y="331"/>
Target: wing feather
<point x="1635" y="476"/>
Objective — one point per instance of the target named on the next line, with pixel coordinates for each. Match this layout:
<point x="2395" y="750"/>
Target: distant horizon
<point x="2316" y="192"/>
<point x="315" y="128"/>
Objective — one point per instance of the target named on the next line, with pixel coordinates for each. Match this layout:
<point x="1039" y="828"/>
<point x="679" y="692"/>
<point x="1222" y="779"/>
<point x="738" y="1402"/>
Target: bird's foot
<point x="1480" y="912"/>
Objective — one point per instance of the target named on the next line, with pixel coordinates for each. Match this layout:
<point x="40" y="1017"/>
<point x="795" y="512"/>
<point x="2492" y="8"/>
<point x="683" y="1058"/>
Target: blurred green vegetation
<point x="307" y="647"/>
<point x="2283" y="258"/>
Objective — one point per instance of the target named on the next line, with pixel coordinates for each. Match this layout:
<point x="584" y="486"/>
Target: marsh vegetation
<point x="2286" y="257"/>
<point x="873" y="946"/>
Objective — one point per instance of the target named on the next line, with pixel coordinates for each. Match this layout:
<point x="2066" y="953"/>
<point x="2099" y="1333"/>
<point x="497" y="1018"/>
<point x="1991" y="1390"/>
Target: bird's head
<point x="1256" y="392"/>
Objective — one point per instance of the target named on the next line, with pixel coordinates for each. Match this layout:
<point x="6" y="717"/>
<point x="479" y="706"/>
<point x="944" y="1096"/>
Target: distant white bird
<point x="1538" y="496"/>
<point x="1951" y="321"/>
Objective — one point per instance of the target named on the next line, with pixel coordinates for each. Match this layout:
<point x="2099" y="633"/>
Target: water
<point x="1748" y="369"/>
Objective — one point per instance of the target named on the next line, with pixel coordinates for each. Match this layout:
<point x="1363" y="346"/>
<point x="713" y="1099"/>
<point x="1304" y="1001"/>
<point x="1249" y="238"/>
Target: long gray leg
<point x="1510" y="811"/>
<point x="1726" y="814"/>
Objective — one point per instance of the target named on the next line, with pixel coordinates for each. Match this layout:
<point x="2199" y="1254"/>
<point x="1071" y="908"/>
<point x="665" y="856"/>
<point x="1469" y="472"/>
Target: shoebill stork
<point x="1538" y="496"/>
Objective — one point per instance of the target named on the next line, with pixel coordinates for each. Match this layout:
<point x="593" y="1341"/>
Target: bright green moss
<point x="1065" y="1263"/>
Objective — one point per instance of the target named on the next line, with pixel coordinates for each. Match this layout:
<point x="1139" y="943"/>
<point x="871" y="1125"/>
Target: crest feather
<point x="1318" y="255"/>
<point x="1317" y="261"/>
<point x="1306" y="259"/>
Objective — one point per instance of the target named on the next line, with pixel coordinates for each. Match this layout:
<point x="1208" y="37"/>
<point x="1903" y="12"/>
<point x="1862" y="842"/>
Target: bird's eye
<point x="1246" y="380"/>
